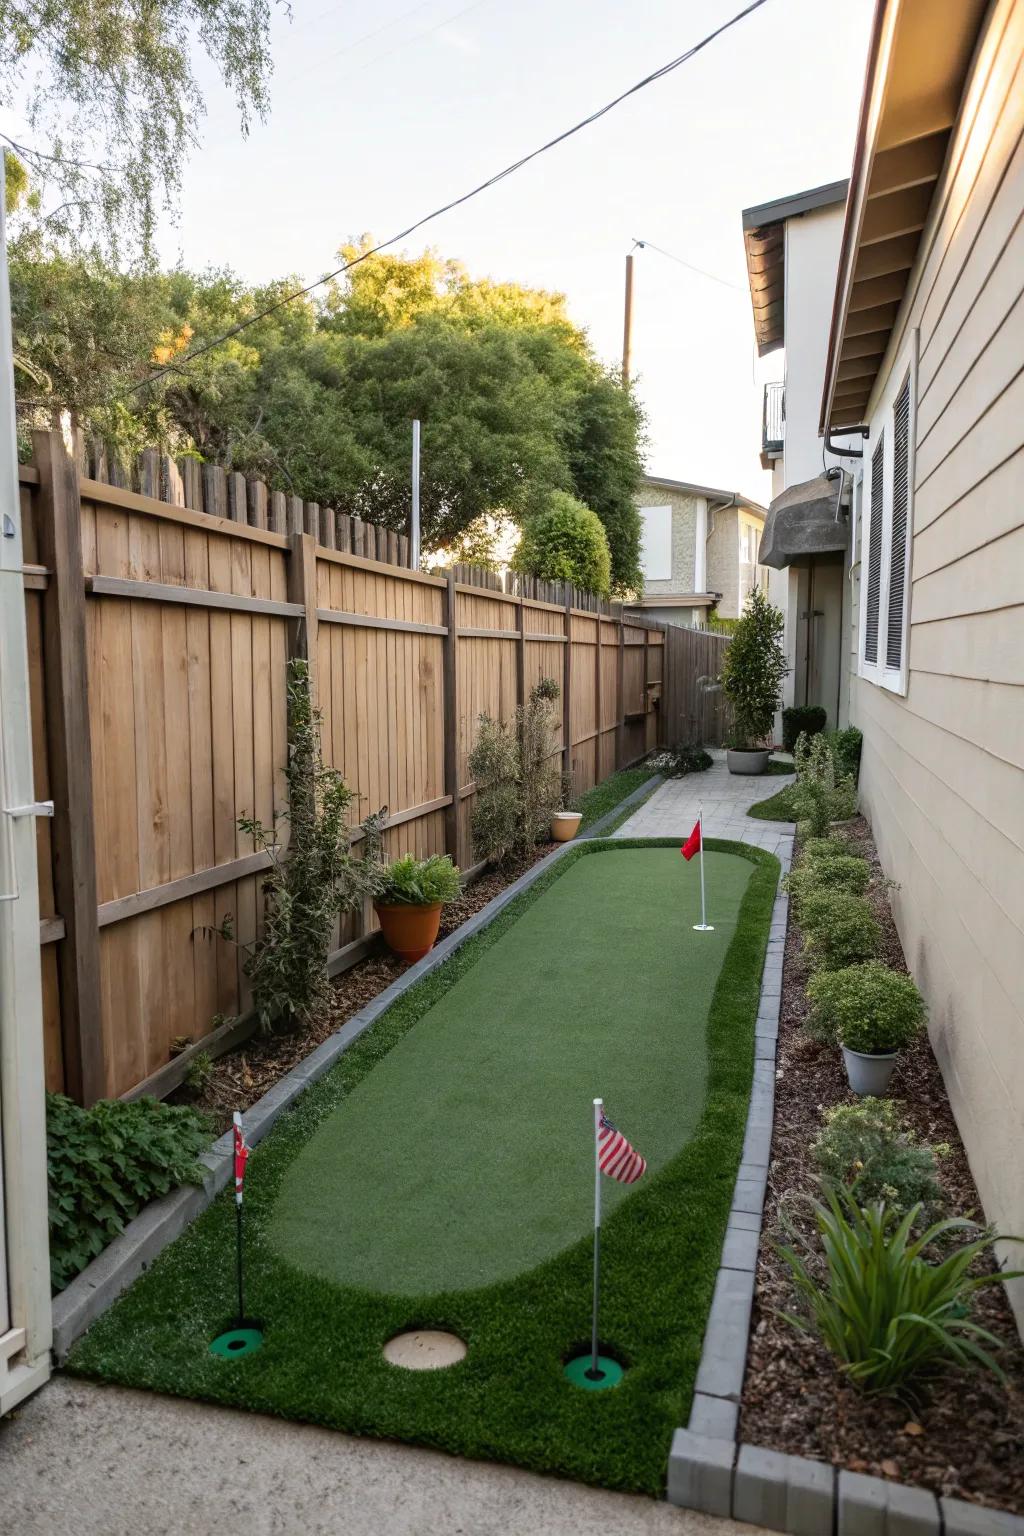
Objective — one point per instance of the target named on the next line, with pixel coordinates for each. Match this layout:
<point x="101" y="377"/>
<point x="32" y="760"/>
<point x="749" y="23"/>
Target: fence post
<point x="620" y="673"/>
<point x="70" y="751"/>
<point x="302" y="632"/>
<point x="567" y="688"/>
<point x="598" y="700"/>
<point x="452" y="786"/>
<point x="521" y="655"/>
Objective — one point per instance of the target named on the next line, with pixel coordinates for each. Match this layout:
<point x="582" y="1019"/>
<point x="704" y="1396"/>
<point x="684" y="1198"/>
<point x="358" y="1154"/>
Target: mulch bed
<point x="965" y="1437"/>
<point x="244" y="1075"/>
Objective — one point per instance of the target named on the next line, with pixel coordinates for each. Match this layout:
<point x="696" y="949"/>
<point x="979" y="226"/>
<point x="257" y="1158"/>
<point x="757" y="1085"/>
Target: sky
<point x="367" y="133"/>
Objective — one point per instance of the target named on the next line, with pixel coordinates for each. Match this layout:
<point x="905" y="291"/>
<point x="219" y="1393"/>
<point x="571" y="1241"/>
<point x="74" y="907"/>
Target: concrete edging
<point x="709" y="1469"/>
<point x="134" y="1249"/>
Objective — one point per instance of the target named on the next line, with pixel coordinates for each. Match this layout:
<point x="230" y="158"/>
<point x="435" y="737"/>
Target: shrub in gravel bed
<point x="813" y="848"/>
<point x="890" y="1317"/>
<point x="869" y="1148"/>
<point x="839" y="929"/>
<point x="865" y="1007"/>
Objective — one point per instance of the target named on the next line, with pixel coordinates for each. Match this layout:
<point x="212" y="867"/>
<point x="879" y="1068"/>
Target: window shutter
<point x="898" y="542"/>
<point x="874" y="554"/>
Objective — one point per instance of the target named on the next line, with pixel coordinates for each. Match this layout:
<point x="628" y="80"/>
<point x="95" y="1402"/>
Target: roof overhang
<point x="806" y="521"/>
<point x="708" y="492"/>
<point x="919" y="56"/>
<point x="764" y="238"/>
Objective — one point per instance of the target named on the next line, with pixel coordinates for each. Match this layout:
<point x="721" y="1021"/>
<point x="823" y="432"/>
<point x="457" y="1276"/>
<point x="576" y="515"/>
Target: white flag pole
<point x="703" y="926"/>
<point x="595" y="1373"/>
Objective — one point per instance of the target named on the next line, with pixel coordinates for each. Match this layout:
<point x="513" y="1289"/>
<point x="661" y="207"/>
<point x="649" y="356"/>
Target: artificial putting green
<point x="594" y="975"/>
<point x="466" y="1157"/>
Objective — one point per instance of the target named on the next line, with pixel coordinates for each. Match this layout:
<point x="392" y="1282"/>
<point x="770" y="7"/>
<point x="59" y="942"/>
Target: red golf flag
<point x="241" y="1156"/>
<point x="692" y="844"/>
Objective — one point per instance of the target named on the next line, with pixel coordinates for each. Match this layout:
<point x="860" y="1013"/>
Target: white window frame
<point x="895" y="679"/>
<point x="656" y="540"/>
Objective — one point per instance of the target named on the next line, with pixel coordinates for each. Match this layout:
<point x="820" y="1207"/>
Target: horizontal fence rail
<point x="162" y="615"/>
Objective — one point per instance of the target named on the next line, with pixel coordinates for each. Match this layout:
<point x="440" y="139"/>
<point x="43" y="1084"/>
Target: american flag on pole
<point x="615" y="1156"/>
<point x="242" y="1150"/>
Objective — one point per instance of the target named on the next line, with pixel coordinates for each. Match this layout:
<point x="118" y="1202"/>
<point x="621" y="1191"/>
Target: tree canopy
<point x="318" y="398"/>
<point x="112" y="104"/>
<point x="566" y="542"/>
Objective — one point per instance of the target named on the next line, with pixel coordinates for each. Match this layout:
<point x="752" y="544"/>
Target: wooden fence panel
<point x="694" y="706"/>
<point x="193" y="604"/>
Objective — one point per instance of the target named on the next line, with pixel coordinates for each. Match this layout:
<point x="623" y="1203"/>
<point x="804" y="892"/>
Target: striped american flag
<point x="615" y="1156"/>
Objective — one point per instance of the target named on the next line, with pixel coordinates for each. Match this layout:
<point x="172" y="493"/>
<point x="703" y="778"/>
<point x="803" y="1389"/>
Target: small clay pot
<point x="565" y="825"/>
<point x="409" y="930"/>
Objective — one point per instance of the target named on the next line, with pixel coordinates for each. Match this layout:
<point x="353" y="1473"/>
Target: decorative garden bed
<point x="601" y="975"/>
<point x="964" y="1436"/>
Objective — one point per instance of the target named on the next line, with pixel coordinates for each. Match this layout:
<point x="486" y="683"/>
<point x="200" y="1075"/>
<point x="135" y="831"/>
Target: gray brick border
<point x="709" y="1469"/>
<point x="134" y="1249"/>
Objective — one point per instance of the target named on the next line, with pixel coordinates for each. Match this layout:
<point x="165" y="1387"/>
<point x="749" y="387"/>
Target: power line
<point x="650" y="245"/>
<point x="456" y="202"/>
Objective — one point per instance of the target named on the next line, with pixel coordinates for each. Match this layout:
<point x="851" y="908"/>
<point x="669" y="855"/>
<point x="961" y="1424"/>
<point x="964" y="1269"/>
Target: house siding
<point x="685" y="510"/>
<point x="942" y="778"/>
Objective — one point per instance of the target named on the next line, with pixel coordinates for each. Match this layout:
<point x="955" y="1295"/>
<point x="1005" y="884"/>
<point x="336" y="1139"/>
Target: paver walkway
<point x="726" y="797"/>
<point x="85" y="1460"/>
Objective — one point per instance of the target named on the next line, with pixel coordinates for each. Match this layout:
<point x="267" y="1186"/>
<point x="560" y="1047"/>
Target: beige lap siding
<point x="943" y="770"/>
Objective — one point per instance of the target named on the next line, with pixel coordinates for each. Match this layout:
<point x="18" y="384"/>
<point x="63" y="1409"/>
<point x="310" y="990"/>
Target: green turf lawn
<point x="777" y="807"/>
<point x="441" y="1175"/>
<point x="604" y="797"/>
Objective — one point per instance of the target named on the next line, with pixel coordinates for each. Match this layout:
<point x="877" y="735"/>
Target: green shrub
<point x="806" y="719"/>
<point x="105" y="1163"/>
<point x="518" y="785"/>
<point x="752" y="672"/>
<point x="839" y="929"/>
<point x="828" y="847"/>
<point x="846" y="747"/>
<point x="892" y="1319"/>
<point x="418" y="882"/>
<point x="310" y="881"/>
<point x="840" y="873"/>
<point x="865" y="1007"/>
<point x="676" y="762"/>
<point x="867" y="1147"/>
<point x="820" y="796"/>
<point x="566" y="542"/>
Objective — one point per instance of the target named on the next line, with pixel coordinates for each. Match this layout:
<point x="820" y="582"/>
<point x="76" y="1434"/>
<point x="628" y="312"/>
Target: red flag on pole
<point x="241" y="1156"/>
<point x="692" y="844"/>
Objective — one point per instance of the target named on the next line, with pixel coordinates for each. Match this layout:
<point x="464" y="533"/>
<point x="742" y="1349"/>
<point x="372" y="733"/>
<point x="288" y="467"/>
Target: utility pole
<point x="627" y="322"/>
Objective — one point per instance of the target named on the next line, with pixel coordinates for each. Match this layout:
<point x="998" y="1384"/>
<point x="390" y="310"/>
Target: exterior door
<point x="824" y="630"/>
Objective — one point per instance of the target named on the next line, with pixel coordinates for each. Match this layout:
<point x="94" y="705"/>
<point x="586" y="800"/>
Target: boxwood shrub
<point x="865" y="1007"/>
<point x="840" y="873"/>
<point x="839" y="928"/>
<point x="801" y="717"/>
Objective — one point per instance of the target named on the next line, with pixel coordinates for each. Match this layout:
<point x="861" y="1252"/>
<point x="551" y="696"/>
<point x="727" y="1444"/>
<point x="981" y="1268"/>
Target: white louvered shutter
<point x="874" y="577"/>
<point x="898" y="541"/>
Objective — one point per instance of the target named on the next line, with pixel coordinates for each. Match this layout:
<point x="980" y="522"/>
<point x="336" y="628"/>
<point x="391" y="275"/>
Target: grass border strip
<point x="101" y="1282"/>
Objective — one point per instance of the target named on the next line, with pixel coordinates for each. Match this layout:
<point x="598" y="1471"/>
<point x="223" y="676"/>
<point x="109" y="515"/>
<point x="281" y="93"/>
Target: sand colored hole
<point x="424" y="1349"/>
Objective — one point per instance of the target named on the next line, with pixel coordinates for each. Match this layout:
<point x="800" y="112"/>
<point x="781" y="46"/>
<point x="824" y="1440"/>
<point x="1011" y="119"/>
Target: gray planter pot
<point x="746" y="762"/>
<point x="869" y="1074"/>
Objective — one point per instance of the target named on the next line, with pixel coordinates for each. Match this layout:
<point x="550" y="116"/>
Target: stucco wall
<point x="942" y="780"/>
<point x="723" y="560"/>
<point x="812" y="261"/>
<point x="685" y="511"/>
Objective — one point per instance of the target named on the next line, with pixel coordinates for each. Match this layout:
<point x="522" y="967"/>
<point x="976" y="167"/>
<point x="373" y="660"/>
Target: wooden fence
<point x="159" y="635"/>
<point x="693" y="706"/>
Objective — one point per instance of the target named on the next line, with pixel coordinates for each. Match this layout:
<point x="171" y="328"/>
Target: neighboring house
<point x="699" y="551"/>
<point x="925" y="365"/>
<point x="792" y="249"/>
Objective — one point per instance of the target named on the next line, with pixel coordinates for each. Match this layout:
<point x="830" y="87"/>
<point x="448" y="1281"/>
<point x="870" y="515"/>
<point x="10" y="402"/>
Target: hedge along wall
<point x="160" y="624"/>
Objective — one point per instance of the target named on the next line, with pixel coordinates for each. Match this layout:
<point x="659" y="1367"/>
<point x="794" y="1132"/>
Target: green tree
<point x="566" y="542"/>
<point x="753" y="669"/>
<point x="113" y="103"/>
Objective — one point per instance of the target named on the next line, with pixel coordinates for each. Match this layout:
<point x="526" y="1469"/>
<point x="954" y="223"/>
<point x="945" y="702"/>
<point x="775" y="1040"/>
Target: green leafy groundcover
<point x="508" y="1400"/>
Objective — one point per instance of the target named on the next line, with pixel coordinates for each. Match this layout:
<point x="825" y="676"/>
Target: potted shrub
<point x="752" y="674"/>
<point x="411" y="893"/>
<point x="872" y="1013"/>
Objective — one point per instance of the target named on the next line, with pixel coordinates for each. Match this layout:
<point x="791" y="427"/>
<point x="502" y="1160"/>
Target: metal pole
<point x="24" y="1258"/>
<point x="414" y="521"/>
<point x="238" y="1261"/>
<point x="595" y="1373"/>
<point x="627" y="321"/>
<point x="703" y="926"/>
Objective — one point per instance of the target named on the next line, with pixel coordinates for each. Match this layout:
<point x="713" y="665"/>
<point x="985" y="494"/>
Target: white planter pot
<point x="869" y="1075"/>
<point x="565" y="825"/>
<point x="746" y="762"/>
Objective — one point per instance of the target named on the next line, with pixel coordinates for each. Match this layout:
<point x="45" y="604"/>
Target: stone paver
<point x="84" y="1460"/>
<point x="726" y="797"/>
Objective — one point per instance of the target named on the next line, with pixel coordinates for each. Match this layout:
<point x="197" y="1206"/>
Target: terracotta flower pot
<point x="409" y="930"/>
<point x="565" y="825"/>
